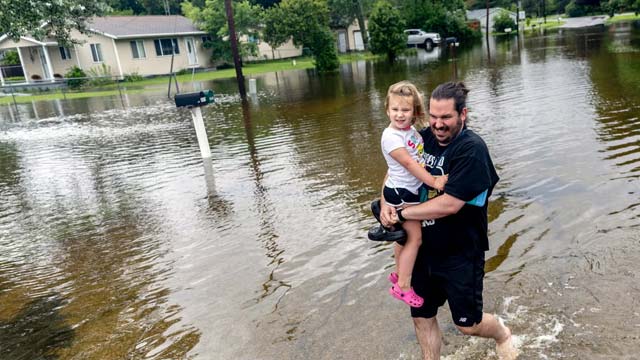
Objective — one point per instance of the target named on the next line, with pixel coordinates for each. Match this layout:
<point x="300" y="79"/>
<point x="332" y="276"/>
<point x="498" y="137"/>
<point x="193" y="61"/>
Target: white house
<point x="142" y="45"/>
<point x="481" y="15"/>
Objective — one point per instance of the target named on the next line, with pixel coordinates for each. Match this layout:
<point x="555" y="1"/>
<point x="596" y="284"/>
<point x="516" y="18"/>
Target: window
<point x="137" y="49"/>
<point x="96" y="53"/>
<point x="166" y="46"/>
<point x="65" y="54"/>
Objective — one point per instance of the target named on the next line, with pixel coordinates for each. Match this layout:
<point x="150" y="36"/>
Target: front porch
<point x="35" y="60"/>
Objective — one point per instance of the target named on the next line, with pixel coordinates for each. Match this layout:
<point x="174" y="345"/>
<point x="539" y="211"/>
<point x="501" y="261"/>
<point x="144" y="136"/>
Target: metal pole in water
<point x="252" y="86"/>
<point x="15" y="103"/>
<point x="201" y="133"/>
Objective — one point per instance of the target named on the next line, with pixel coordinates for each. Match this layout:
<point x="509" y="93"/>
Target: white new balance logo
<point x="463" y="319"/>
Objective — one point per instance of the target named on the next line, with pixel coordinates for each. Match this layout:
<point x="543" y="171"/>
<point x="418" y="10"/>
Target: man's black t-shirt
<point x="467" y="162"/>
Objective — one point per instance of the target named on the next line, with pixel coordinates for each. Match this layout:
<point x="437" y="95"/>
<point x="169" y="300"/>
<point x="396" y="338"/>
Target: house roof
<point x="482" y="13"/>
<point x="127" y="27"/>
<point x="30" y="39"/>
<point x="121" y="27"/>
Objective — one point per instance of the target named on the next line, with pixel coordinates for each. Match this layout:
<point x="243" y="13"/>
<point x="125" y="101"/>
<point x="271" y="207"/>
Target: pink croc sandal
<point x="410" y="297"/>
<point x="393" y="277"/>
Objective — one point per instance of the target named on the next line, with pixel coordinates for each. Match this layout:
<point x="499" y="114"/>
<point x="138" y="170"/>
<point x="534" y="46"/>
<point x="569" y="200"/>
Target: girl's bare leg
<point x="408" y="253"/>
<point x="397" y="249"/>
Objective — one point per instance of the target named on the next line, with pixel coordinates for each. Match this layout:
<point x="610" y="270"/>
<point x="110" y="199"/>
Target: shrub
<point x="10" y="57"/>
<point x="100" y="75"/>
<point x="225" y="66"/>
<point x="133" y="77"/>
<point x="76" y="77"/>
<point x="503" y="21"/>
<point x="325" y="55"/>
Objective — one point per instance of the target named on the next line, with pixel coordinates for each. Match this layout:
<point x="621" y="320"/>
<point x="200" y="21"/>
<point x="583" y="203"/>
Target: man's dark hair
<point x="452" y="90"/>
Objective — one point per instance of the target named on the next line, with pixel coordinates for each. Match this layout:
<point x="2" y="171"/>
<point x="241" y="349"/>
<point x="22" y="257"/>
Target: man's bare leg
<point x="492" y="327"/>
<point x="429" y="337"/>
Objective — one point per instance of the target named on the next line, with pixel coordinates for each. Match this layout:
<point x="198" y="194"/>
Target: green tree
<point x="618" y="6"/>
<point x="275" y="32"/>
<point x="560" y="5"/>
<point x="530" y="7"/>
<point x="122" y="7"/>
<point x="417" y="12"/>
<point x="19" y="18"/>
<point x="582" y="7"/>
<point x="386" y="28"/>
<point x="538" y="7"/>
<point x="448" y="18"/>
<point x="574" y="10"/>
<point x="265" y="3"/>
<point x="306" y="22"/>
<point x="503" y="21"/>
<point x="342" y="13"/>
<point x="161" y="7"/>
<point x="213" y="19"/>
<point x="482" y="4"/>
<point x="611" y="6"/>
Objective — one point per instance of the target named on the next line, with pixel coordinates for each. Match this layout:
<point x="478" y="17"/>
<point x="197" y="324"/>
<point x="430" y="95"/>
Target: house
<point x="266" y="52"/>
<point x="480" y="15"/>
<point x="141" y="45"/>
<point x="350" y="39"/>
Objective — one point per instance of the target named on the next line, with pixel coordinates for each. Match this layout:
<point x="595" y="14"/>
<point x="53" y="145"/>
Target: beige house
<point x="350" y="39"/>
<point x="266" y="52"/>
<point x="141" y="45"/>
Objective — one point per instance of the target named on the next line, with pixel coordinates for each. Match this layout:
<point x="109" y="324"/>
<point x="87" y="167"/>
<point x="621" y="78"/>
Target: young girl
<point x="402" y="147"/>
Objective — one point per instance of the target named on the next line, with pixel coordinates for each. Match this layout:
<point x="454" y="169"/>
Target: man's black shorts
<point x="457" y="279"/>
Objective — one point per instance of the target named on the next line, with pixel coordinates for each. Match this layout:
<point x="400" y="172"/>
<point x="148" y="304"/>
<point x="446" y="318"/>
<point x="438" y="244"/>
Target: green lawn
<point x="552" y="22"/>
<point x="623" y="17"/>
<point x="139" y="86"/>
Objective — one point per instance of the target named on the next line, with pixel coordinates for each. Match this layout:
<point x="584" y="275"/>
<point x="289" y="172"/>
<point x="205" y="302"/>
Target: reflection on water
<point x="118" y="241"/>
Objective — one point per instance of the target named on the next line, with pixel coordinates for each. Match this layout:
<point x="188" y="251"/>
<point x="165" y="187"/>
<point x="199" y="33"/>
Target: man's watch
<point x="401" y="218"/>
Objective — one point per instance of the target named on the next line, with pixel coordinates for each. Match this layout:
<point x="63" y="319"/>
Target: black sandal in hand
<point x="382" y="233"/>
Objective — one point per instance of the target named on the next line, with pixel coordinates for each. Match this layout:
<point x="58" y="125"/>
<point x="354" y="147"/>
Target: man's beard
<point x="451" y="131"/>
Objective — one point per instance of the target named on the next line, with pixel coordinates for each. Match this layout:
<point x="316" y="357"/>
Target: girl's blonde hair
<point x="407" y="89"/>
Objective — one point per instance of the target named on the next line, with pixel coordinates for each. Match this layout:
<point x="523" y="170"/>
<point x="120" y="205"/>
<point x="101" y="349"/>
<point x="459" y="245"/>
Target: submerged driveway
<point x="584" y="21"/>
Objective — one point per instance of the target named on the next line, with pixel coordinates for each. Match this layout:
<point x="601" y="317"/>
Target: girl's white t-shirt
<point x="410" y="139"/>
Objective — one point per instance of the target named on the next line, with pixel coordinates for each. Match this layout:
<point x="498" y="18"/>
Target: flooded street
<point x="117" y="241"/>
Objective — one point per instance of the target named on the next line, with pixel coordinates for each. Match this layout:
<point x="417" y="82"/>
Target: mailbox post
<point x="194" y="101"/>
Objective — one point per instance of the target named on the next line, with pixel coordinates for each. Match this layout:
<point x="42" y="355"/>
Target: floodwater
<point x="117" y="241"/>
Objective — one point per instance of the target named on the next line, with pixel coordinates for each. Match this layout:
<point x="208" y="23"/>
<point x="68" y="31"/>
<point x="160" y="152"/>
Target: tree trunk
<point x="233" y="39"/>
<point x="362" y="25"/>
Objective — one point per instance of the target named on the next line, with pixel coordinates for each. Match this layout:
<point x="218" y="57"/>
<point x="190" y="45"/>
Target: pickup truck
<point x="417" y="37"/>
